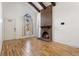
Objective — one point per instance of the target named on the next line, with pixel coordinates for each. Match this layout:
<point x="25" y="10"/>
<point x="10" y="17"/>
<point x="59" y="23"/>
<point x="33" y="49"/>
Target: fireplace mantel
<point x="47" y="26"/>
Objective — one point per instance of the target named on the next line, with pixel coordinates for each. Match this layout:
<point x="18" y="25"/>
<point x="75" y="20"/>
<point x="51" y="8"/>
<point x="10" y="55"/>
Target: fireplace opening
<point x="45" y="35"/>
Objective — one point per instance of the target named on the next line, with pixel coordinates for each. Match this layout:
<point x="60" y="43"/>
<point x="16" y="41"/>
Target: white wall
<point x="69" y="32"/>
<point x="0" y="26"/>
<point x="16" y="11"/>
<point x="38" y="27"/>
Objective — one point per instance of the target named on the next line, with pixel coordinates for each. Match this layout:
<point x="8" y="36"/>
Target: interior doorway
<point x="10" y="29"/>
<point x="28" y="25"/>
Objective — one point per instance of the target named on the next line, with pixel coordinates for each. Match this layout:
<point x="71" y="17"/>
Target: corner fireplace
<point x="46" y="24"/>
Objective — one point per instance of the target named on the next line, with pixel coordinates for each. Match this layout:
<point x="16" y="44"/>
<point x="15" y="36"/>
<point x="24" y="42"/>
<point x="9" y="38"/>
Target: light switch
<point x="62" y="23"/>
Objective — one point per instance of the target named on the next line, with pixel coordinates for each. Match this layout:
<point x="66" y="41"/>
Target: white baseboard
<point x="66" y="43"/>
<point x="23" y="37"/>
<point x="26" y="37"/>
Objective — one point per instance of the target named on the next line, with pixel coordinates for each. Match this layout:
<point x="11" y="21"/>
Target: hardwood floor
<point x="36" y="47"/>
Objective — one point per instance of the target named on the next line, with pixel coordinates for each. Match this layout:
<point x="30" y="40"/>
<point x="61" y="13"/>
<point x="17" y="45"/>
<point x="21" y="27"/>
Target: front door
<point x="10" y="29"/>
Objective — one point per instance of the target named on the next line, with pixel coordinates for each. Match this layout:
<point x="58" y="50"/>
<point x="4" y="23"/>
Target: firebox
<point x="45" y="35"/>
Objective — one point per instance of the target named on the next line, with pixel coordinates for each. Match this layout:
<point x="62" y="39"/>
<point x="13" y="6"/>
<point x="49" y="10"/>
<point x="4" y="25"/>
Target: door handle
<point x="14" y="29"/>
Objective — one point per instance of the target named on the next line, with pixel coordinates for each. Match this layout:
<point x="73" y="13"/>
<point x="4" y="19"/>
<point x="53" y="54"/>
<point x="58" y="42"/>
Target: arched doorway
<point x="28" y="23"/>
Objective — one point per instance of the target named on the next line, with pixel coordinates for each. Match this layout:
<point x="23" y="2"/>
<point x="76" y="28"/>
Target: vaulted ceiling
<point x="41" y="5"/>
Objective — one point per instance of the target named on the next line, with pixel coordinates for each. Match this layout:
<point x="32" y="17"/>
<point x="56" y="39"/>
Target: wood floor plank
<point x="36" y="47"/>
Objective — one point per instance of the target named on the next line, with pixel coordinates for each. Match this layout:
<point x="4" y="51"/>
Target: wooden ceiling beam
<point x="42" y="5"/>
<point x="34" y="6"/>
<point x="53" y="3"/>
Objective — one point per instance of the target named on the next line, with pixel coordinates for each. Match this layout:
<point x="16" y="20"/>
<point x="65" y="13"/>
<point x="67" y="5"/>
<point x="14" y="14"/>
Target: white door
<point x="10" y="29"/>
